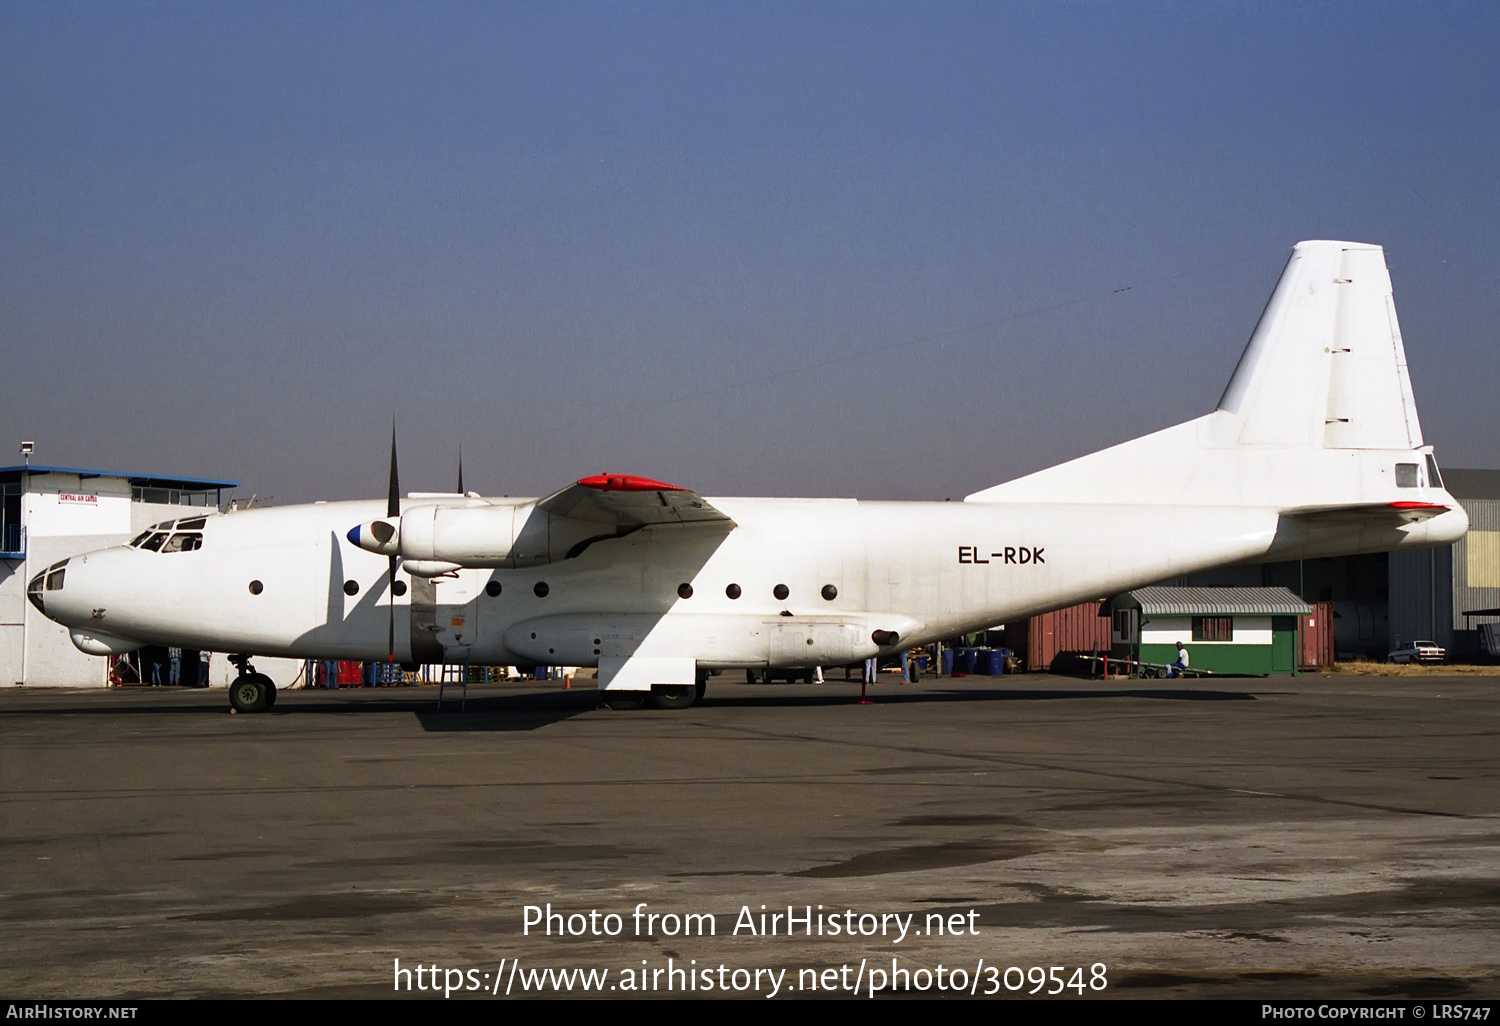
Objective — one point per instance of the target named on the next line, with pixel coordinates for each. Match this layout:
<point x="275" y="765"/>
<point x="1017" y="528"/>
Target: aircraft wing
<point x="623" y="500"/>
<point x="1393" y="513"/>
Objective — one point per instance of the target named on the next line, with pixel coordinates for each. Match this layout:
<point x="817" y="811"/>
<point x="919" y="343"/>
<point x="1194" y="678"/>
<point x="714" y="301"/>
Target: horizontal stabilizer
<point x="1371" y="512"/>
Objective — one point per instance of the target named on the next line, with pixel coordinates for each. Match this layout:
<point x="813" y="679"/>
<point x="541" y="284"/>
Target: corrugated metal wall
<point x="1421" y="599"/>
<point x="1317" y="637"/>
<point x="1077" y="629"/>
<point x="1476" y="574"/>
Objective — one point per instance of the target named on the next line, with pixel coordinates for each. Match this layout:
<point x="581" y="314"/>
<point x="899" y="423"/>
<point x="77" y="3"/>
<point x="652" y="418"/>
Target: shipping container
<point x="1317" y="637"/>
<point x="1053" y="638"/>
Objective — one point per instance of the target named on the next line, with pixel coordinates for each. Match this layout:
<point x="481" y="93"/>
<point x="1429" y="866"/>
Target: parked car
<point x="1419" y="652"/>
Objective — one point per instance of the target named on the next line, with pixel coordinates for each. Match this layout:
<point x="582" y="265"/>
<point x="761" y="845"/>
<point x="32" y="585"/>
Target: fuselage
<point x="791" y="582"/>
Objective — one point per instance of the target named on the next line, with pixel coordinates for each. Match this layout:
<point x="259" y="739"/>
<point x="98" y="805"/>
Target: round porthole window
<point x="541" y="589"/>
<point x="351" y="587"/>
<point x="492" y="589"/>
<point x="685" y="590"/>
<point x="733" y="591"/>
<point x="256" y="587"/>
<point x="830" y="592"/>
<point x="781" y="591"/>
<point x="399" y="587"/>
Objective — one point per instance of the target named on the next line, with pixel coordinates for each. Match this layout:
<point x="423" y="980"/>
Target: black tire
<point x="252" y="693"/>
<point x="1161" y="673"/>
<point x="673" y="696"/>
<point x="751" y="677"/>
<point x="702" y="687"/>
<point x="624" y="701"/>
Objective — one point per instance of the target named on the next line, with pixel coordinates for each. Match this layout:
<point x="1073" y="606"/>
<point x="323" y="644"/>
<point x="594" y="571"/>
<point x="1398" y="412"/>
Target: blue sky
<point x="885" y="250"/>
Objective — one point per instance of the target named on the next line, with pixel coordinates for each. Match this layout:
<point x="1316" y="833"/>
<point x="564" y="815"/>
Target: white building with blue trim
<point x="52" y="513"/>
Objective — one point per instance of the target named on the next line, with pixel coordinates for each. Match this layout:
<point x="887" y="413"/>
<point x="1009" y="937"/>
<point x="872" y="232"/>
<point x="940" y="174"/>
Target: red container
<point x="1076" y="630"/>
<point x="1316" y="644"/>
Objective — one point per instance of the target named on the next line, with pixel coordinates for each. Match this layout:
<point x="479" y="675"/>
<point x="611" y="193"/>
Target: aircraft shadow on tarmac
<point x="905" y="696"/>
<point x="530" y="710"/>
<point x="542" y="708"/>
<point x="505" y="712"/>
<point x="479" y="712"/>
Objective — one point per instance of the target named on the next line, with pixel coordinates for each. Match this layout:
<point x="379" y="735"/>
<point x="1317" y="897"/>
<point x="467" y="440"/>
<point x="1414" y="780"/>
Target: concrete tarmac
<point x="1309" y="837"/>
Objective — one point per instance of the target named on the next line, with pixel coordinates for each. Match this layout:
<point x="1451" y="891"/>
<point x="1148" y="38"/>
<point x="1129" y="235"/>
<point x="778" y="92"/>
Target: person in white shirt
<point x="1182" y="661"/>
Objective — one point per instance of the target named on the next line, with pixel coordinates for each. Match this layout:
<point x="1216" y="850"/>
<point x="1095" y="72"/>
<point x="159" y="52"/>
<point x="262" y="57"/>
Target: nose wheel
<point x="250" y="692"/>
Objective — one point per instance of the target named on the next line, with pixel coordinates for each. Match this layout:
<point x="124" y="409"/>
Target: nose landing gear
<point x="250" y="692"/>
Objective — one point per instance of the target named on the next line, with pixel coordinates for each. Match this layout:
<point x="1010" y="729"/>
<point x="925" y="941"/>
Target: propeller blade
<point x="393" y="510"/>
<point x="393" y="498"/>
<point x="460" y="470"/>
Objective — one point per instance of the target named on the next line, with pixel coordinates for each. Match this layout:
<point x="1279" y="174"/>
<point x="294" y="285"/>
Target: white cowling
<point x="491" y="535"/>
<point x="468" y="536"/>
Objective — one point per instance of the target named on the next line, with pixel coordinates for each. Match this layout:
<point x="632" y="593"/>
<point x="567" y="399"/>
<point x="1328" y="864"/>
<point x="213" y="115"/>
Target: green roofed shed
<point x="1227" y="630"/>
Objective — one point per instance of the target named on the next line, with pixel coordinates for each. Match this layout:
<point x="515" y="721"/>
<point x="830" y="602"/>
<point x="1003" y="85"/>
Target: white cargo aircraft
<point x="1314" y="450"/>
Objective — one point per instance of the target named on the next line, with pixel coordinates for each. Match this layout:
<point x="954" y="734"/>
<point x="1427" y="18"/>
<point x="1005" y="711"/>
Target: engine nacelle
<point x="491" y="535"/>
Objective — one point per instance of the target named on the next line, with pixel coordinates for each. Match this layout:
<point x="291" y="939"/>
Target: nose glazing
<point x="50" y="579"/>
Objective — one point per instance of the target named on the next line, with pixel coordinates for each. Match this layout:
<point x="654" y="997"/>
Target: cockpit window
<point x="1434" y="479"/>
<point x="153" y="543"/>
<point x="191" y="524"/>
<point x="55" y="579"/>
<point x="136" y="542"/>
<point x="183" y="543"/>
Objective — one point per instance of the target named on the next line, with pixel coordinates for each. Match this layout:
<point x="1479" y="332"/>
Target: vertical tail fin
<point x="1325" y="367"/>
<point x="1319" y="409"/>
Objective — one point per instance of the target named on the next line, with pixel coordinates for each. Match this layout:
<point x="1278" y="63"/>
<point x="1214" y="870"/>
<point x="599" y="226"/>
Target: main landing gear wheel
<point x="624" y="700"/>
<point x="252" y="693"/>
<point x="673" y="696"/>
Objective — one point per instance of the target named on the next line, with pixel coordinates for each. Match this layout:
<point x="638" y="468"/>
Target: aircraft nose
<point x="61" y="595"/>
<point x="34" y="592"/>
<point x="49" y="581"/>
